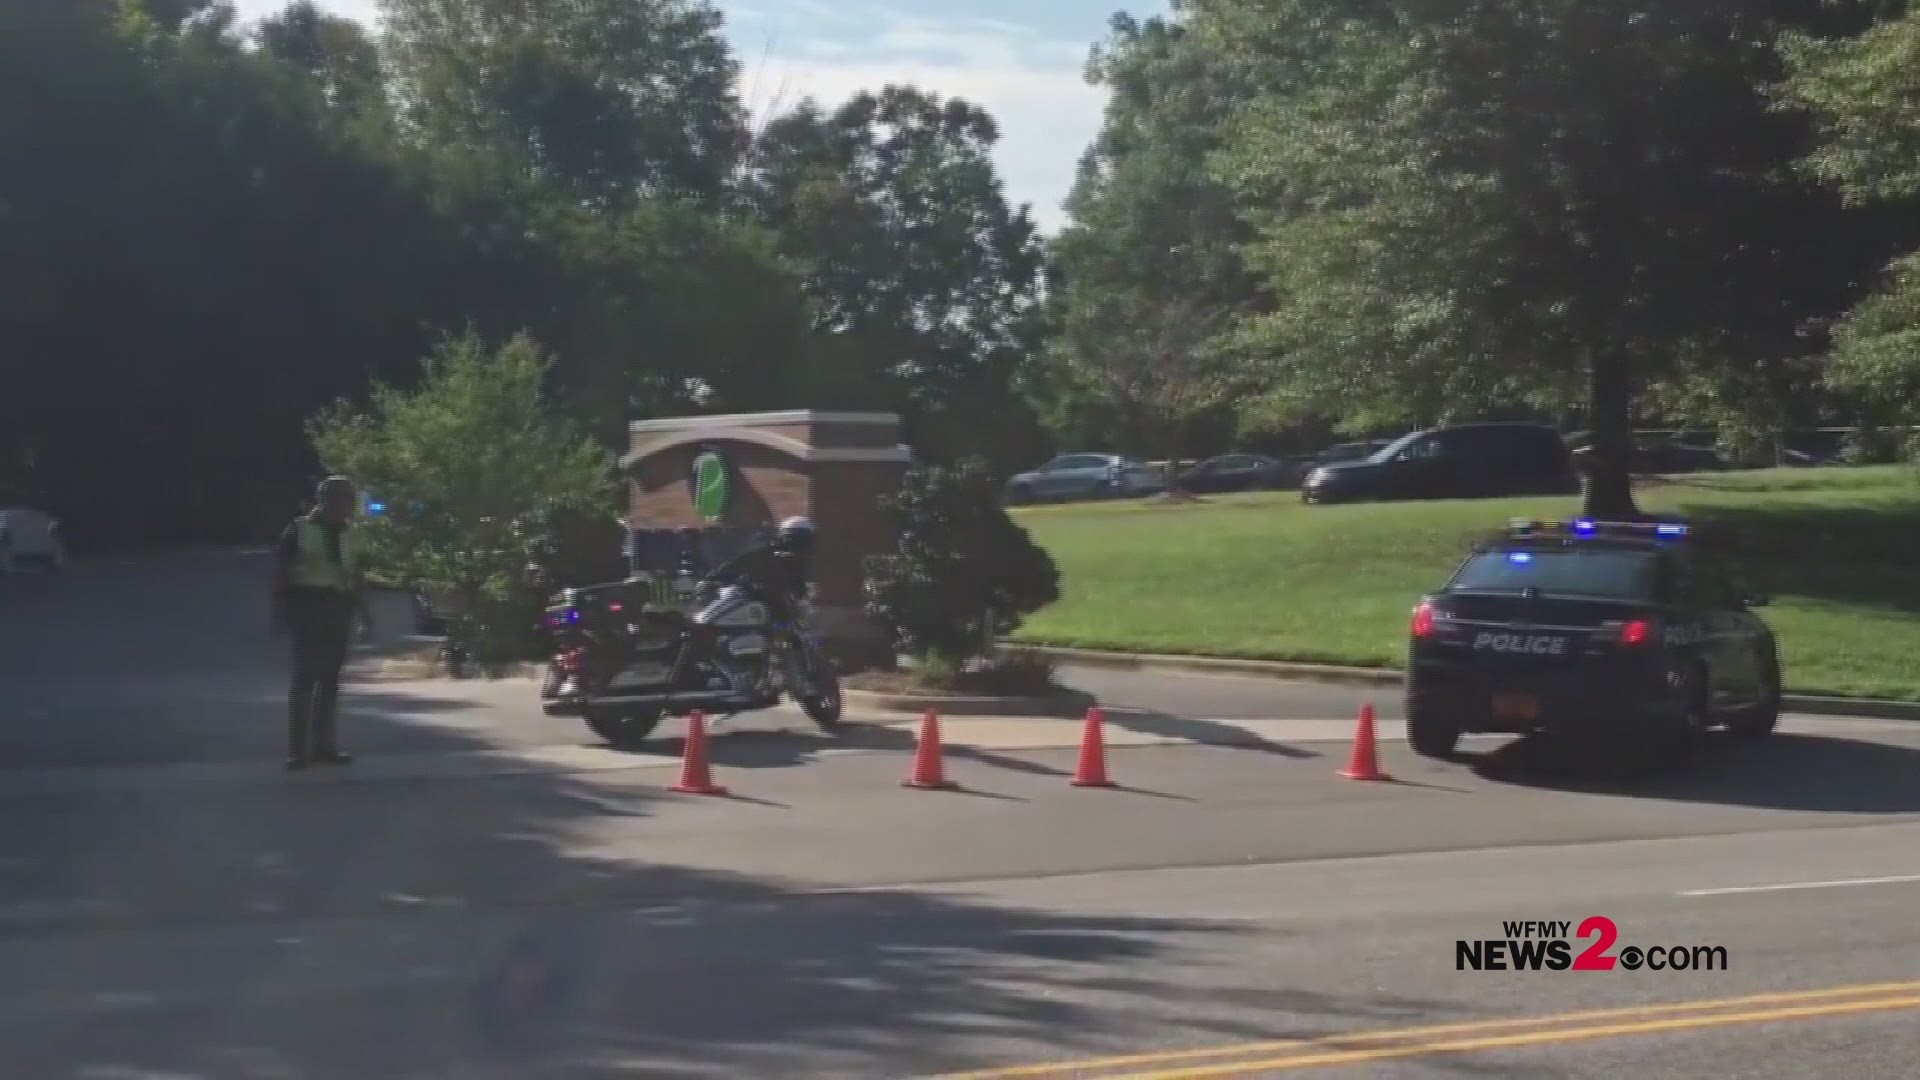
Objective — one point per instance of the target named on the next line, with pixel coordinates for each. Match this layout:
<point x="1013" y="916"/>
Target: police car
<point x="1590" y="628"/>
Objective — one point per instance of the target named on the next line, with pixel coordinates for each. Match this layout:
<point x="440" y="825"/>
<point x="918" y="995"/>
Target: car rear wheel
<point x="1678" y="737"/>
<point x="1759" y="721"/>
<point x="1431" y="730"/>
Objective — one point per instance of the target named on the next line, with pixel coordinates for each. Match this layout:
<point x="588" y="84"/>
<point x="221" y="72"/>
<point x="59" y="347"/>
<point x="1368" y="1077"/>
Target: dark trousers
<point x="320" y="622"/>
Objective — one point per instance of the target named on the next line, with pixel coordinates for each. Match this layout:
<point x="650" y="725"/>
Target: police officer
<point x="784" y="567"/>
<point x="317" y="592"/>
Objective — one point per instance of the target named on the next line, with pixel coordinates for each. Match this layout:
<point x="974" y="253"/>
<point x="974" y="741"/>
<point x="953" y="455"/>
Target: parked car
<point x="1300" y="466"/>
<point x="1235" y="472"/>
<point x="1674" y="456"/>
<point x="1465" y="461"/>
<point x="1084" y="476"/>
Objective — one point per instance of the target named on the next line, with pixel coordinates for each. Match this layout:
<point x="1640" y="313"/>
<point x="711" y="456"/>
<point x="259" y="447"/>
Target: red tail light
<point x="570" y="660"/>
<point x="1423" y="620"/>
<point x="1637" y="632"/>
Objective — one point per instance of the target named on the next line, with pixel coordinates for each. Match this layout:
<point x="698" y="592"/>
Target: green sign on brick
<point x="711" y="486"/>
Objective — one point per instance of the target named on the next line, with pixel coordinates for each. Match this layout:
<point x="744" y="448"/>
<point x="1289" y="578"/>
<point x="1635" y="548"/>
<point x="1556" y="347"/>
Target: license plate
<point x="642" y="675"/>
<point x="1516" y="706"/>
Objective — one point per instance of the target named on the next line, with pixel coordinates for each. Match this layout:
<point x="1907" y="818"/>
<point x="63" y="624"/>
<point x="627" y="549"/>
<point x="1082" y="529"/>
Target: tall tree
<point x="1150" y="263"/>
<point x="925" y="282"/>
<point x="335" y="52"/>
<point x="1480" y="203"/>
<point x="1863" y="93"/>
<point x="193" y="253"/>
<point x="609" y="101"/>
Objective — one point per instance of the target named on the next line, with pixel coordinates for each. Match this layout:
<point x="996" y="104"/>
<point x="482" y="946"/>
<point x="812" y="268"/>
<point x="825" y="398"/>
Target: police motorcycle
<point x="625" y="655"/>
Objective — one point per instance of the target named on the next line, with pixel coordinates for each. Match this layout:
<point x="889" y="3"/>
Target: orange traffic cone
<point x="1366" y="756"/>
<point x="1093" y="754"/>
<point x="696" y="776"/>
<point x="927" y="769"/>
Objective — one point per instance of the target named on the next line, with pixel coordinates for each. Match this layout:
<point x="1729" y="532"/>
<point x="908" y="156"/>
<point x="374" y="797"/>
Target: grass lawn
<point x="1264" y="576"/>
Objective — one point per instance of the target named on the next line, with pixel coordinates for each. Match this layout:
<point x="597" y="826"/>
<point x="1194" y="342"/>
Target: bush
<point x="480" y="479"/>
<point x="962" y="574"/>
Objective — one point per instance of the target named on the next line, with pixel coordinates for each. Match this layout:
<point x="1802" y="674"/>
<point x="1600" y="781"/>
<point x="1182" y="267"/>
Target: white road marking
<point x="1787" y="886"/>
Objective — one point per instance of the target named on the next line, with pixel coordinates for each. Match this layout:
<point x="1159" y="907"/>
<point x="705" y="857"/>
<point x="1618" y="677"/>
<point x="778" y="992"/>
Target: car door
<point x="1425" y="469"/>
<point x="1736" y="635"/>
<point x="1232" y="472"/>
<point x="1081" y="475"/>
<point x="1707" y="628"/>
<point x="1478" y="463"/>
<point x="1209" y="475"/>
<point x="1056" y="477"/>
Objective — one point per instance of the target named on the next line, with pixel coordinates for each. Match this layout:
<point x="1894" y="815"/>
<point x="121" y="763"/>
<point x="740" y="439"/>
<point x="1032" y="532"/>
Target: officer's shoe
<point x="333" y="757"/>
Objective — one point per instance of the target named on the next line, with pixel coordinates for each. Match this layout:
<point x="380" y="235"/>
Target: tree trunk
<point x="1608" y="481"/>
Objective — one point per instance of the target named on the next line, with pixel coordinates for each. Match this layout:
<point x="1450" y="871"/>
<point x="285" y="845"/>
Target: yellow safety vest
<point x="313" y="568"/>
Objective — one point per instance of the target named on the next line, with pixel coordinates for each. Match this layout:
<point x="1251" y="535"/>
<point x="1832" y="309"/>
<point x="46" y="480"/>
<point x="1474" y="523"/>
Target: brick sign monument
<point x="703" y="487"/>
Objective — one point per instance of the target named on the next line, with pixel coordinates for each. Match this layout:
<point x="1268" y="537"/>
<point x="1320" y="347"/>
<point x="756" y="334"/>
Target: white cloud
<point x="791" y="49"/>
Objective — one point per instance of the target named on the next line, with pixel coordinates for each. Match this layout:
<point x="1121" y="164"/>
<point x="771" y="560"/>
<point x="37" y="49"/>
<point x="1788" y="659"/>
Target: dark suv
<point x="1590" y="629"/>
<point x="1466" y="461"/>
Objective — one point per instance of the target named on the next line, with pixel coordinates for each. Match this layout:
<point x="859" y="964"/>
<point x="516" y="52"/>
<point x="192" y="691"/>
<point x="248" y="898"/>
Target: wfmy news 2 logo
<point x="1548" y="945"/>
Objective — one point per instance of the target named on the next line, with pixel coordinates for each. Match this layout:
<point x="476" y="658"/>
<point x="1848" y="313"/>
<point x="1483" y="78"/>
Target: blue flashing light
<point x="1670" y="530"/>
<point x="376" y="508"/>
<point x="1583" y="527"/>
<point x="1521" y="557"/>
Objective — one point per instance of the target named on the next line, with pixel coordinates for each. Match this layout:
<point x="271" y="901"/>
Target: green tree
<point x="1150" y="264"/>
<point x="462" y="461"/>
<point x="1863" y="93"/>
<point x="336" y="53"/>
<point x="606" y="101"/>
<point x="925" y="283"/>
<point x="1481" y="205"/>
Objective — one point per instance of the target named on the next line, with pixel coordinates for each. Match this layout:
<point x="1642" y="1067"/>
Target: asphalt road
<point x="172" y="905"/>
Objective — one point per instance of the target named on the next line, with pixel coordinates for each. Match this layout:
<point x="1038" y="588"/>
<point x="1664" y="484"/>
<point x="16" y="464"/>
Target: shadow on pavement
<point x="1203" y="732"/>
<point x="321" y="924"/>
<point x="1785" y="772"/>
<point x="759" y="749"/>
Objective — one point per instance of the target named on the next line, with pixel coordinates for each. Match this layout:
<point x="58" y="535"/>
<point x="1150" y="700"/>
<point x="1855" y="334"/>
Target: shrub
<point x="477" y="474"/>
<point x="962" y="574"/>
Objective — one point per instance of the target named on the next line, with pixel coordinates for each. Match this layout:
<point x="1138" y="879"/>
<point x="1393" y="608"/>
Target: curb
<point x="1227" y="665"/>
<point x="1808" y="704"/>
<point x="1870" y="708"/>
<point x="1072" y="704"/>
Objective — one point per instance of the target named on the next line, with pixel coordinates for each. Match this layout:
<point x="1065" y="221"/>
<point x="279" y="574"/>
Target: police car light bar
<point x="1589" y="527"/>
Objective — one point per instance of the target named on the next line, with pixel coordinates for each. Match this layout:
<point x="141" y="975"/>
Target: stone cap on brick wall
<point x="794" y="416"/>
<point x="752" y="428"/>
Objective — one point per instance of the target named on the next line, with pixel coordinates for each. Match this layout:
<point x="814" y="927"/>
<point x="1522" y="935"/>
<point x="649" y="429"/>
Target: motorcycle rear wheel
<point x="623" y="729"/>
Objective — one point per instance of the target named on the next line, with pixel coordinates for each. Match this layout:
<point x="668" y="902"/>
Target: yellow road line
<point x="1392" y="1034"/>
<point x="1531" y="1038"/>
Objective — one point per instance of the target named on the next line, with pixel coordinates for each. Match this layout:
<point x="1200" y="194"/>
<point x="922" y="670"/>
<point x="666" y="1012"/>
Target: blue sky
<point x="1020" y="59"/>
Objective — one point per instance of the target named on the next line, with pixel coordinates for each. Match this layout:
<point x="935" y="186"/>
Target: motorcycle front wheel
<point x="821" y="699"/>
<point x="623" y="729"/>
